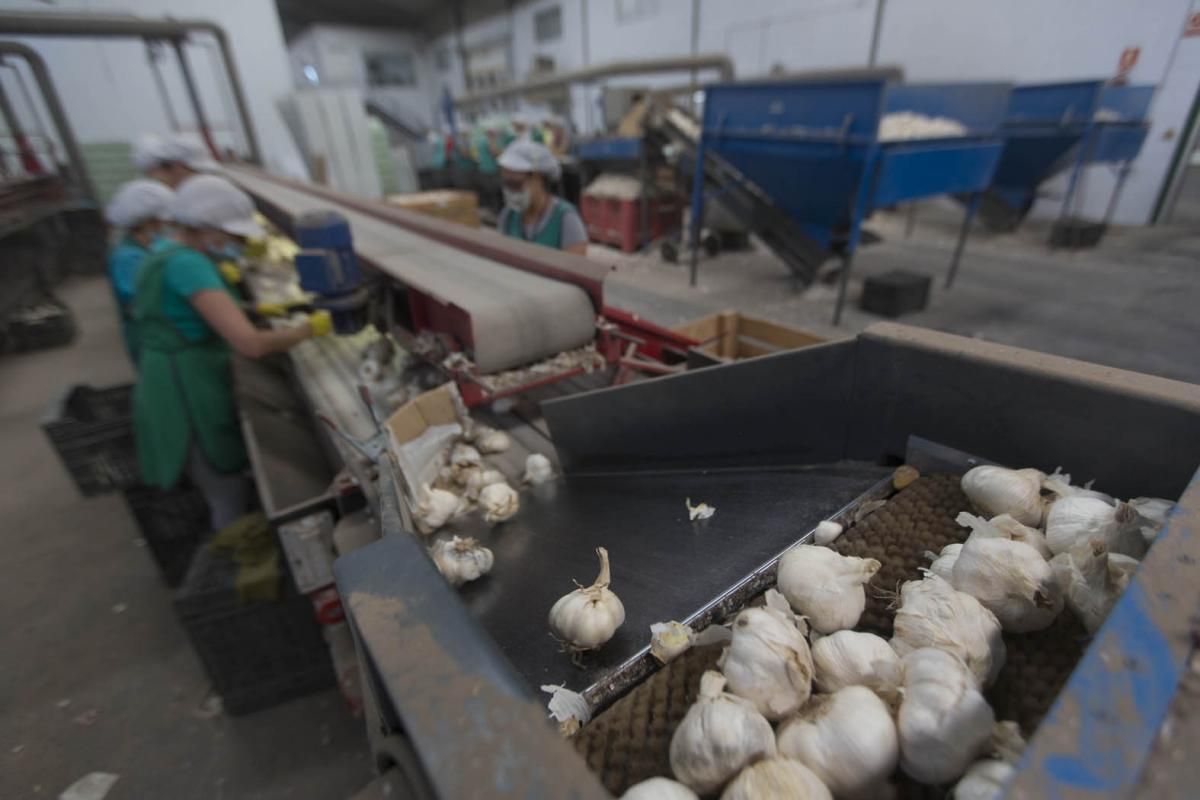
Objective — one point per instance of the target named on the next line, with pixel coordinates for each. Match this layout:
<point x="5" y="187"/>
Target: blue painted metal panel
<point x="821" y="108"/>
<point x="914" y="170"/>
<point x="1110" y="144"/>
<point x="1030" y="157"/>
<point x="1131" y="102"/>
<point x="610" y="149"/>
<point x="981" y="107"/>
<point x="1054" y="104"/>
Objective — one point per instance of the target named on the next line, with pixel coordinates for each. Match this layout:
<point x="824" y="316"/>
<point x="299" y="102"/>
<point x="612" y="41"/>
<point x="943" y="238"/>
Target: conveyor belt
<point x="516" y="316"/>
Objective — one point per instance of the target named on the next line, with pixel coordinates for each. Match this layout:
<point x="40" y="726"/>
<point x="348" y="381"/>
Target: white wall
<point x="108" y="90"/>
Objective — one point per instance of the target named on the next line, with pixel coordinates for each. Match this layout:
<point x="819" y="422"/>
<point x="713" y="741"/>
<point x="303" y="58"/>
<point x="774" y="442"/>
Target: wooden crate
<point x="730" y="335"/>
<point x="455" y="205"/>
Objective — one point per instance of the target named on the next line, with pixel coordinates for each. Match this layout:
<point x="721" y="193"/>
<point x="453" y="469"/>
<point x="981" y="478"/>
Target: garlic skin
<point x="1060" y="484"/>
<point x="589" y="616"/>
<point x="1093" y="580"/>
<point x="1007" y="527"/>
<point x="699" y="511"/>
<point x="499" y="502"/>
<point x="1075" y="519"/>
<point x="934" y="614"/>
<point x="435" y="508"/>
<point x="490" y="440"/>
<point x="943" y="563"/>
<point x="1152" y="515"/>
<point x="720" y="734"/>
<point x="659" y="789"/>
<point x="462" y="560"/>
<point x="853" y="658"/>
<point x="479" y="478"/>
<point x="768" y="662"/>
<point x="1010" y="579"/>
<point x="944" y="722"/>
<point x="463" y="458"/>
<point x="538" y="469"/>
<point x="669" y="640"/>
<point x="777" y="779"/>
<point x="824" y="586"/>
<point x="998" y="490"/>
<point x="847" y="738"/>
<point x="984" y="780"/>
<point x="827" y="532"/>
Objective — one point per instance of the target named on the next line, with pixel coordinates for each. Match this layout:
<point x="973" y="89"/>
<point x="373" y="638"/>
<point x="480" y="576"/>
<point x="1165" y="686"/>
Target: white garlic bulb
<point x="825" y="587"/>
<point x="538" y="469"/>
<point x="1059" y="484"/>
<point x="984" y="780"/>
<point x="463" y="459"/>
<point x="777" y="779"/>
<point x="589" y="616"/>
<point x="1152" y="515"/>
<point x="852" y="658"/>
<point x="768" y="661"/>
<point x="492" y="441"/>
<point x="934" y="614"/>
<point x="1010" y="579"/>
<point x="436" y="507"/>
<point x="499" y="502"/>
<point x="1004" y="526"/>
<point x="847" y="738"/>
<point x="659" y="789"/>
<point x="944" y="722"/>
<point x="1075" y="519"/>
<point x="998" y="490"/>
<point x="461" y="560"/>
<point x="943" y="563"/>
<point x="480" y="478"/>
<point x="827" y="532"/>
<point x="720" y="734"/>
<point x="1093" y="580"/>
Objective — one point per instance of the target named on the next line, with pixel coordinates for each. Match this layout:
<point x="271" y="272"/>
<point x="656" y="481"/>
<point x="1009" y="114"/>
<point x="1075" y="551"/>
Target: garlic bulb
<point x="997" y="490"/>
<point x="669" y="639"/>
<point x="461" y="560"/>
<point x="1006" y="527"/>
<point x="768" y="661"/>
<point x="943" y="562"/>
<point x="1010" y="579"/>
<point x="436" y="507"/>
<point x="984" y="780"/>
<point x="944" y="722"/>
<point x="847" y="738"/>
<point x="1152" y="515"/>
<point x="490" y="440"/>
<point x="1060" y="484"/>
<point x="777" y="779"/>
<point x="1093" y="580"/>
<point x="720" y="734"/>
<point x="1075" y="519"/>
<point x="479" y="478"/>
<point x="464" y="458"/>
<point x="659" y="789"/>
<point x="499" y="502"/>
<point x="538" y="469"/>
<point x="851" y="658"/>
<point x="827" y="532"/>
<point x="589" y="616"/>
<point x="934" y="614"/>
<point x="825" y="587"/>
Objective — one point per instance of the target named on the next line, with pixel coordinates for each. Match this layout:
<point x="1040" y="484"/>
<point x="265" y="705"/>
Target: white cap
<point x="209" y="201"/>
<point x="152" y="150"/>
<point x="138" y="201"/>
<point x="524" y="155"/>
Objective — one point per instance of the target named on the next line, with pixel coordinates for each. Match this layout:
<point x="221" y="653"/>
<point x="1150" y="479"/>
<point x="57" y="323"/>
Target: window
<point x="635" y="10"/>
<point x="390" y="69"/>
<point x="441" y="59"/>
<point x="547" y="24"/>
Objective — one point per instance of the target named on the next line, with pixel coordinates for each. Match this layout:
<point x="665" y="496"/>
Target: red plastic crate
<point x="616" y="222"/>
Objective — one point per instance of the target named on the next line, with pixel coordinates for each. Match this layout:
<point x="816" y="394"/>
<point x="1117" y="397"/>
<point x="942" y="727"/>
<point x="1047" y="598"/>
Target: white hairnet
<point x="138" y="201"/>
<point x="526" y="156"/>
<point x="209" y="201"/>
<point x="151" y="150"/>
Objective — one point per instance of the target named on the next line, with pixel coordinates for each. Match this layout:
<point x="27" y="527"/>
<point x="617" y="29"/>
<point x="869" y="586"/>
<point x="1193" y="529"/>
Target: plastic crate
<point x="92" y="432"/>
<point x="895" y="292"/>
<point x="618" y="222"/>
<point x="40" y="326"/>
<point x="256" y="654"/>
<point x="173" y="523"/>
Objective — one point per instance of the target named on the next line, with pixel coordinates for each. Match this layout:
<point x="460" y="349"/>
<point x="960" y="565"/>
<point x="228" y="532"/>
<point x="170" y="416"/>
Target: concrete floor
<point x="85" y="687"/>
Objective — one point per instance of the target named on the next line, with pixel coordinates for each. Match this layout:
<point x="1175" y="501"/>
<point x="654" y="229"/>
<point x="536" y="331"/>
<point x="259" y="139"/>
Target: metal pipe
<point x="164" y="95"/>
<point x="972" y="207"/>
<point x="873" y="55"/>
<point x="91" y="26"/>
<point x="29" y="160"/>
<point x="50" y="97"/>
<point x="189" y="83"/>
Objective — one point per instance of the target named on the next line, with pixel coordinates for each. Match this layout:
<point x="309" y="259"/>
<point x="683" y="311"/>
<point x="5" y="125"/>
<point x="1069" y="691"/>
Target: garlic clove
<point x="943" y="563"/>
<point x="499" y="502"/>
<point x="984" y="780"/>
<point x="777" y="779"/>
<point x="589" y="616"/>
<point x="824" y="586"/>
<point x="904" y="476"/>
<point x="538" y="469"/>
<point x="826" y="532"/>
<point x="659" y="789"/>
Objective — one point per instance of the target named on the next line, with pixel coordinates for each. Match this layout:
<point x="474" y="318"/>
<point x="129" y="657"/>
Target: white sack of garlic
<point x="1074" y="519"/>
<point x="538" y="469"/>
<point x="777" y="779"/>
<point x="720" y="734"/>
<point x="824" y="586"/>
<point x="659" y="789"/>
<point x="490" y="440"/>
<point x="998" y="490"/>
<point x="827" y="531"/>
<point x="479" y="478"/>
<point x="852" y="658"/>
<point x="768" y="661"/>
<point x="1010" y="578"/>
<point x="436" y="507"/>
<point x="462" y="560"/>
<point x="847" y="738"/>
<point x="1093" y="580"/>
<point x="463" y="459"/>
<point x="942" y="563"/>
<point x="944" y="722"/>
<point x="499" y="502"/>
<point x="984" y="780"/>
<point x="589" y="616"/>
<point x="934" y="614"/>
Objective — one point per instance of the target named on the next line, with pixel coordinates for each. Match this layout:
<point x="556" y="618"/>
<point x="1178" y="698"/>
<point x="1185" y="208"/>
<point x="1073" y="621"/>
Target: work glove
<point x="321" y="323"/>
<point x="281" y="309"/>
<point x="230" y="272"/>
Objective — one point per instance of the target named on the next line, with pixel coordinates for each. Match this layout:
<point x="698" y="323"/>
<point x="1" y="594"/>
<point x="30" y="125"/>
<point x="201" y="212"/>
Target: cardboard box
<point x="730" y="335"/>
<point x="419" y="431"/>
<point x="455" y="205"/>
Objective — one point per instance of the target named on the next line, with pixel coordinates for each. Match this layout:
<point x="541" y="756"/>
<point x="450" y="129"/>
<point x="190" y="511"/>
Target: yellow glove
<point x="230" y="272"/>
<point x="256" y="248"/>
<point x="321" y="323"/>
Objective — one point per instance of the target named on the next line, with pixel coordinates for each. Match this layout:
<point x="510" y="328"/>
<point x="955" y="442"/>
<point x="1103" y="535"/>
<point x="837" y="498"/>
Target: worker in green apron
<point x="188" y="321"/>
<point x="171" y="160"/>
<point x="531" y="211"/>
<point x="136" y="213"/>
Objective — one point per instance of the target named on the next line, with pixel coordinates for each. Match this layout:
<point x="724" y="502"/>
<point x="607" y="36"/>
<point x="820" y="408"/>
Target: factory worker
<point x="185" y="420"/>
<point x="137" y="213"/>
<point x="171" y="160"/>
<point x="531" y="212"/>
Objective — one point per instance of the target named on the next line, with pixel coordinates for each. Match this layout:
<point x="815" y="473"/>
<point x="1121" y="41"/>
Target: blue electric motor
<point x="329" y="270"/>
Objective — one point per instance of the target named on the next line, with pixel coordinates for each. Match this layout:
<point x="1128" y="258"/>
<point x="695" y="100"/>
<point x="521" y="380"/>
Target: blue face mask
<point x="230" y="252"/>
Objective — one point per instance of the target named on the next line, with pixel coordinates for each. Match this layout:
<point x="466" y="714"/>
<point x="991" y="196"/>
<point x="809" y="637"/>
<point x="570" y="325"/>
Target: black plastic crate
<point x="39" y="326"/>
<point x="895" y="292"/>
<point x="92" y="432"/>
<point x="1076" y="234"/>
<point x="257" y="654"/>
<point x="173" y="522"/>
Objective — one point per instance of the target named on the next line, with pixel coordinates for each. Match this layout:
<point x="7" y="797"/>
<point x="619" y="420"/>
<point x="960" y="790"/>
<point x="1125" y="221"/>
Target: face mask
<point x="229" y="251"/>
<point x="516" y="199"/>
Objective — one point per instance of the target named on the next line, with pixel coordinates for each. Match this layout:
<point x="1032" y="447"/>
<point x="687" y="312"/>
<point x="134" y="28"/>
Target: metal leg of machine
<point x="963" y="231"/>
<point x="697" y="212"/>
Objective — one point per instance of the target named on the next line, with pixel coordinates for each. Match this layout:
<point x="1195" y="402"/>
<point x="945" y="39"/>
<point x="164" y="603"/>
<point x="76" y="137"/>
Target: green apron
<point x="184" y="391"/>
<point x="550" y="234"/>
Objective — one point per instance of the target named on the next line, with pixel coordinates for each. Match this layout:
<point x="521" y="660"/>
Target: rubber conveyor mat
<point x="515" y="316"/>
<point x="629" y="741"/>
